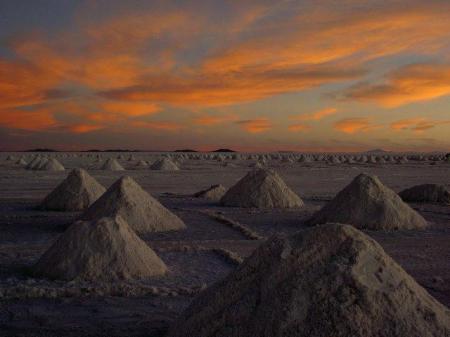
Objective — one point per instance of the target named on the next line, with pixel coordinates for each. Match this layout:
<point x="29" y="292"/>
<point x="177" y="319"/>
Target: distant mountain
<point x="112" y="150"/>
<point x="186" y="150"/>
<point x="223" y="150"/>
<point x="41" y="150"/>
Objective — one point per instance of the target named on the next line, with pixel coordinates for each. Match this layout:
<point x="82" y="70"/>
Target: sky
<point x="305" y="75"/>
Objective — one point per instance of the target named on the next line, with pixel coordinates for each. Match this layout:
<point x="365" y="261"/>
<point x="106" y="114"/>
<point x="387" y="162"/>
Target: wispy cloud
<point x="255" y="125"/>
<point x="298" y="127"/>
<point x="419" y="124"/>
<point x="208" y="120"/>
<point x="355" y="125"/>
<point x="412" y="83"/>
<point x="316" y="116"/>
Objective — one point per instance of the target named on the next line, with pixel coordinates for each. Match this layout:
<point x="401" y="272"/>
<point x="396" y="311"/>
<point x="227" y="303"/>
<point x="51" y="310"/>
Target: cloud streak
<point x="354" y="125"/>
<point x="255" y="125"/>
<point x="409" y="84"/>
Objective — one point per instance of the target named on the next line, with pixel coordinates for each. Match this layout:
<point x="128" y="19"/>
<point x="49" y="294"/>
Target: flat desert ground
<point x="215" y="241"/>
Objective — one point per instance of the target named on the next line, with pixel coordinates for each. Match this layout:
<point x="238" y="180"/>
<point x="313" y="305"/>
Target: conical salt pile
<point x="21" y="162"/>
<point x="112" y="165"/>
<point x="261" y="188"/>
<point x="164" y="164"/>
<point x="77" y="192"/>
<point x="51" y="164"/>
<point x="367" y="203"/>
<point x="257" y="165"/>
<point x="34" y="163"/>
<point x="141" y="164"/>
<point x="214" y="193"/>
<point x="106" y="249"/>
<point x="326" y="281"/>
<point x="138" y="208"/>
<point x="426" y="193"/>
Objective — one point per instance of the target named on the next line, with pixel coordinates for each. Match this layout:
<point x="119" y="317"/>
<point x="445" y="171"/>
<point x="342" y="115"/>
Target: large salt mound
<point x="106" y="249"/>
<point x="213" y="193"/>
<point x="138" y="208"/>
<point x="261" y="188"/>
<point x="112" y="165"/>
<point x="366" y="203"/>
<point x="426" y="193"/>
<point x="329" y="280"/>
<point x="164" y="164"/>
<point x="77" y="192"/>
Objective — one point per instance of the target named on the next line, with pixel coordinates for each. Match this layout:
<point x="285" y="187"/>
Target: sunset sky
<point x="321" y="75"/>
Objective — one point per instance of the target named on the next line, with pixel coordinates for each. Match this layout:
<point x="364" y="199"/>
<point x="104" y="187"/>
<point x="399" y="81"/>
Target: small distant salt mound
<point x="22" y="162"/>
<point x="164" y="164"/>
<point x="304" y="159"/>
<point x="214" y="193"/>
<point x="51" y="164"/>
<point x="228" y="164"/>
<point x="426" y="193"/>
<point x="34" y="163"/>
<point x="10" y="158"/>
<point x="77" y="192"/>
<point x="334" y="160"/>
<point x="141" y="164"/>
<point x="366" y="203"/>
<point x="106" y="249"/>
<point x="138" y="208"/>
<point x="131" y="158"/>
<point x="256" y="165"/>
<point x="329" y="280"/>
<point x="261" y="188"/>
<point x="112" y="165"/>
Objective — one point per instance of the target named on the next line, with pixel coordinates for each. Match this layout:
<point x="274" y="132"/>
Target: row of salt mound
<point x="365" y="203"/>
<point x="164" y="164"/>
<point x="45" y="164"/>
<point x="103" y="244"/>
<point x="125" y="198"/>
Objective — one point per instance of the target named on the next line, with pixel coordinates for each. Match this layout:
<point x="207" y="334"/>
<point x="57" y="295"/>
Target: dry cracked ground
<point x="216" y="240"/>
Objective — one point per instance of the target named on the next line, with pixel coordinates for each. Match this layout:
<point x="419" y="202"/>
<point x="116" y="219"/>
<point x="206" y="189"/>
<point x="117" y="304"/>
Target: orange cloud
<point x="168" y="126"/>
<point x="211" y="89"/>
<point x="129" y="108"/>
<point x="298" y="127"/>
<point x="32" y="120"/>
<point x="354" y="125"/>
<point x="324" y="34"/>
<point x="316" y="116"/>
<point x="418" y="125"/>
<point x="84" y="128"/>
<point x="255" y="125"/>
<point x="213" y="120"/>
<point x="22" y="84"/>
<point x="413" y="83"/>
<point x="133" y="64"/>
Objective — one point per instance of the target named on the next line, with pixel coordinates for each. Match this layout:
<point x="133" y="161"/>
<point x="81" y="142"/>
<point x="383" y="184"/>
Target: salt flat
<point x="215" y="241"/>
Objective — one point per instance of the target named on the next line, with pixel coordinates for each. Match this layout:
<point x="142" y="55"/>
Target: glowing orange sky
<point x="261" y="75"/>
